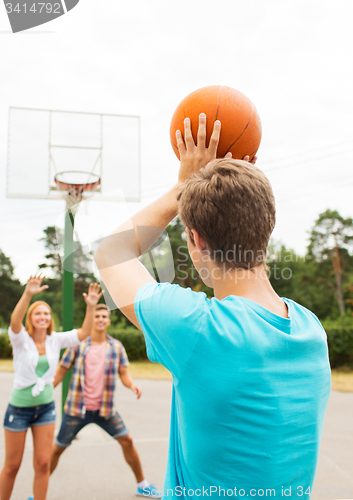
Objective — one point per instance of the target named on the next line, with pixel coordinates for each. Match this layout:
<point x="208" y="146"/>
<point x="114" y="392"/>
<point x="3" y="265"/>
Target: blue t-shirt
<point x="250" y="390"/>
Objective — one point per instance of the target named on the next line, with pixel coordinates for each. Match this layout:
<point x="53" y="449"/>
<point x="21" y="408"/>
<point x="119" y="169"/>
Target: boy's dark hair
<point x="230" y="203"/>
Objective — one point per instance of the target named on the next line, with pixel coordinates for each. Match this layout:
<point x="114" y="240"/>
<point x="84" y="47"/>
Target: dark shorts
<point x="70" y="426"/>
<point x="19" y="419"/>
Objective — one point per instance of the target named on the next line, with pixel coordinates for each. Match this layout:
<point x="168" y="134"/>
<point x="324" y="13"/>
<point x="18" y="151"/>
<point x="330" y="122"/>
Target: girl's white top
<point x="26" y="355"/>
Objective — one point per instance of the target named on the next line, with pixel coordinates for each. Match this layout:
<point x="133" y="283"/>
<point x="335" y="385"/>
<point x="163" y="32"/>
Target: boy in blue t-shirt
<point x="251" y="375"/>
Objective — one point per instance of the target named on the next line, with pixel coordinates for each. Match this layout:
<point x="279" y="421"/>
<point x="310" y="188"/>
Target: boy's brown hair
<point x="230" y="204"/>
<point x="102" y="306"/>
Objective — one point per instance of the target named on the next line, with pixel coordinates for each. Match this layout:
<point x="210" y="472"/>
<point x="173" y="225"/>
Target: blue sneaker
<point x="150" y="491"/>
<point x="30" y="498"/>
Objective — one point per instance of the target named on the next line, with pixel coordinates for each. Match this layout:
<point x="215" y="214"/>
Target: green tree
<point x="10" y="289"/>
<point x="349" y="299"/>
<point x="53" y="241"/>
<point x="185" y="272"/>
<point x="299" y="278"/>
<point x="331" y="240"/>
<point x="284" y="268"/>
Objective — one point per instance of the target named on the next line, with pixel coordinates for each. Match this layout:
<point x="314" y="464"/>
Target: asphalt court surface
<point x="93" y="467"/>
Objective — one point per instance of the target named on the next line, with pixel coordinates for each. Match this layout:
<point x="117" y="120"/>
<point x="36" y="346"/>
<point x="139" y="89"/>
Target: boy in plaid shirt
<point x="96" y="362"/>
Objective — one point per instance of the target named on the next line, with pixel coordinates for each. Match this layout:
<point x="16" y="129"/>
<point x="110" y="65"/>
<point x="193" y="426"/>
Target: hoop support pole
<point x="68" y="291"/>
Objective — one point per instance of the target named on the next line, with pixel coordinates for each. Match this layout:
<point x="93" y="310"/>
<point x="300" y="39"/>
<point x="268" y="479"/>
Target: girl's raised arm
<point x="32" y="288"/>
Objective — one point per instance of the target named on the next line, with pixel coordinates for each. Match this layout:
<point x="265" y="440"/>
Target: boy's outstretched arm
<point x="117" y="256"/>
<point x="126" y="379"/>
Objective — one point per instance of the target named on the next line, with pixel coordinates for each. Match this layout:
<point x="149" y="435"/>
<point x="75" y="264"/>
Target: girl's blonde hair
<point x="28" y="324"/>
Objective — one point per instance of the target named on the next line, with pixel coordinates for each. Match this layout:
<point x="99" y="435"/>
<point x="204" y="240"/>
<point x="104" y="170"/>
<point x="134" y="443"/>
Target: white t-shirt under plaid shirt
<point x="75" y="357"/>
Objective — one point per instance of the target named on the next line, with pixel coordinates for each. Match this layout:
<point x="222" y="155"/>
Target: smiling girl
<point x="36" y="351"/>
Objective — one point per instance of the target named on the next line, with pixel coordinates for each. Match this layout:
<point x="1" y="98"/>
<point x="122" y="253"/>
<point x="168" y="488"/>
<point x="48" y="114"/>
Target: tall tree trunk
<point x="336" y="262"/>
<point x="339" y="293"/>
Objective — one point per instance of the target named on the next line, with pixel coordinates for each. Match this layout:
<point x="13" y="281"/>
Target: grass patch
<point x="342" y="378"/>
<point x="138" y="369"/>
<point x="6" y="365"/>
<point x="146" y="369"/>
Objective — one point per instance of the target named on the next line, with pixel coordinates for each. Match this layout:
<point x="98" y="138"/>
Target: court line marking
<point x="339" y="469"/>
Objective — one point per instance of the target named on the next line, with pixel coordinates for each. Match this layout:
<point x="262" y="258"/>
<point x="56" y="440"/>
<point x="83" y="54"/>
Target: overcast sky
<point x="292" y="58"/>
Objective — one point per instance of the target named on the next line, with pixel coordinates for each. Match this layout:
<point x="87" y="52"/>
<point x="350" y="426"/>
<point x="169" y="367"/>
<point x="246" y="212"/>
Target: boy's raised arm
<point x="117" y="256"/>
<point x="91" y="298"/>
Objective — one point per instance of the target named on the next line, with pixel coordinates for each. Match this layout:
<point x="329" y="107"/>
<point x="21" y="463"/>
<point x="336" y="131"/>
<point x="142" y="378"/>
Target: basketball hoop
<point x="76" y="182"/>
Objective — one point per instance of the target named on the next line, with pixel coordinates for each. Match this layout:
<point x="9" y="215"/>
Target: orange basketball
<point x="241" y="125"/>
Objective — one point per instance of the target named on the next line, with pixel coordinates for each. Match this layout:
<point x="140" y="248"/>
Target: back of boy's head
<point x="230" y="204"/>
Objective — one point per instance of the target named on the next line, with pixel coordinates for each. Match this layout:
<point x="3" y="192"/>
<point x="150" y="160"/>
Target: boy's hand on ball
<point x="247" y="158"/>
<point x="193" y="157"/>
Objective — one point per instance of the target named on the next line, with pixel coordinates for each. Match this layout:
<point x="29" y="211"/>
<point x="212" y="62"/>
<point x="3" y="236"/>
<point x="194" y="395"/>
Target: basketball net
<point x="76" y="183"/>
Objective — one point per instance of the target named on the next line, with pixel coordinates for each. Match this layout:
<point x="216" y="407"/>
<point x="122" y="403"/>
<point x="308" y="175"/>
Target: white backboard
<point x="42" y="143"/>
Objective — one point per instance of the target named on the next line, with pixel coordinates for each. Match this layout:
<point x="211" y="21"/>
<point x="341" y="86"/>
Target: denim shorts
<point x="19" y="419"/>
<point x="70" y="426"/>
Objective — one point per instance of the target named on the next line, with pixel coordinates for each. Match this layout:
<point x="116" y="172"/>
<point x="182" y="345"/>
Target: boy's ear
<point x="199" y="241"/>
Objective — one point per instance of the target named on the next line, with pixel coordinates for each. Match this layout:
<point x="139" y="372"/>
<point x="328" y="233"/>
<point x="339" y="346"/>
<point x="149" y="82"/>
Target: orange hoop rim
<point x="77" y="187"/>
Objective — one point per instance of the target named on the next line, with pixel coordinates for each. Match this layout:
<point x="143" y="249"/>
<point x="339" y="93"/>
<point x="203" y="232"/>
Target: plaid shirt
<point x="115" y="356"/>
